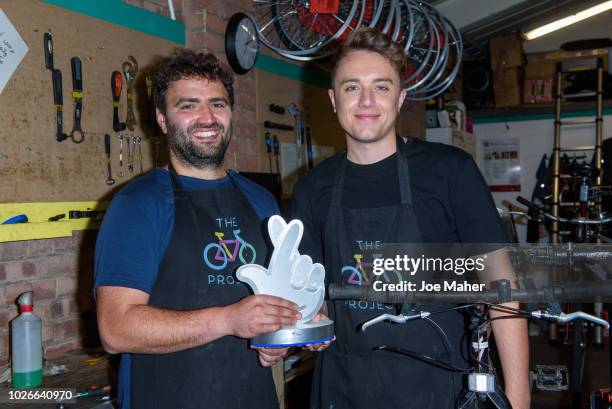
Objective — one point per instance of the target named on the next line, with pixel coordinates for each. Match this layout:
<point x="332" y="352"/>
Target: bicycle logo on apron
<point x="218" y="254"/>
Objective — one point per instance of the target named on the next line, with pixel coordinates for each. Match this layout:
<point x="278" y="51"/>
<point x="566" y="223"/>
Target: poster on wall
<point x="501" y="164"/>
<point x="12" y="50"/>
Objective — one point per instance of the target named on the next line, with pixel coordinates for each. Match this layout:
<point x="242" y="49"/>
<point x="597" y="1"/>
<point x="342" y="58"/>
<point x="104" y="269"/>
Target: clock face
<point x="241" y="43"/>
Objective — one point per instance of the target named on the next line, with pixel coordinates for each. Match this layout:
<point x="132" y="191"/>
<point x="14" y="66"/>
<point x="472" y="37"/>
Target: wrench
<point x="120" y="155"/>
<point x="58" y="101"/>
<point x="107" y="148"/>
<point x="130" y="153"/>
<point x="77" y="93"/>
<point x="139" y="154"/>
<point x="130" y="69"/>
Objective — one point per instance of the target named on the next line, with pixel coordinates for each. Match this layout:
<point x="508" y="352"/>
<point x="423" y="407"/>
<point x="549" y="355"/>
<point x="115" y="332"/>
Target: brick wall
<point x="60" y="274"/>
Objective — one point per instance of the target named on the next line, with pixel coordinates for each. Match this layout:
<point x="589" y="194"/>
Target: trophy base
<point x="294" y="335"/>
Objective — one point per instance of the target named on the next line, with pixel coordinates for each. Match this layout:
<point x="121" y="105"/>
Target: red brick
<point x="47" y="332"/>
<point x="150" y="6"/>
<point x="57" y="350"/>
<point x="28" y="269"/>
<point x="44" y="289"/>
<point x="2" y="272"/>
<point x="215" y="24"/>
<point x="39" y="248"/>
<point x="43" y="309"/>
<point x="66" y="244"/>
<point x="59" y="265"/>
<point x="196" y="21"/>
<point x="70" y="306"/>
<point x="215" y="43"/>
<point x="218" y="7"/>
<point x="65" y="330"/>
<point x="247" y="101"/>
<point x="56" y="309"/>
<point x="66" y="286"/>
<point x="13" y="291"/>
<point x="197" y="5"/>
<point x="13" y="250"/>
<point x="244" y="5"/>
<point x="6" y="315"/>
<point x="2" y="297"/>
<point x="6" y="344"/>
<point x="196" y="40"/>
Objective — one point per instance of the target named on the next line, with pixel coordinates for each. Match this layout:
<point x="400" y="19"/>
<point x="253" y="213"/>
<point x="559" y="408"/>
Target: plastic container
<point x="26" y="345"/>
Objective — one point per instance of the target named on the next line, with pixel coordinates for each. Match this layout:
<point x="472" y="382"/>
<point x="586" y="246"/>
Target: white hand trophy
<point x="293" y="277"/>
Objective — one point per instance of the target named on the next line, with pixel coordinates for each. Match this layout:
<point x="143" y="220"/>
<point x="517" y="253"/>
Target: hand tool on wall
<point x="274" y="125"/>
<point x="276" y="147"/>
<point x="130" y="69"/>
<point x="107" y="149"/>
<point x="294" y="111"/>
<point x="139" y="151"/>
<point x="77" y="94"/>
<point x="120" y="174"/>
<point x="277" y="109"/>
<point x="116" y="84"/>
<point x="268" y="141"/>
<point x="48" y="45"/>
<point x="130" y="153"/>
<point x="309" y="148"/>
<point x="58" y="101"/>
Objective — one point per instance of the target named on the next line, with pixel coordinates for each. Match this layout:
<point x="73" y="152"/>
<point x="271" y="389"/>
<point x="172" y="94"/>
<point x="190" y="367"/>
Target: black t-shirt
<point x="452" y="201"/>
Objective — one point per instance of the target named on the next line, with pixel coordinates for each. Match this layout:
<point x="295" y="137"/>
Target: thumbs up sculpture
<point x="293" y="277"/>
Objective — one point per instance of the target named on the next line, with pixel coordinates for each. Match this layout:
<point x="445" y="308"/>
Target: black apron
<point x="224" y="373"/>
<point x="350" y="375"/>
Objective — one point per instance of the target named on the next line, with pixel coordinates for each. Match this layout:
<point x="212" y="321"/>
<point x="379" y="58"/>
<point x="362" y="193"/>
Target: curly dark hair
<point x="184" y="64"/>
<point x="369" y="39"/>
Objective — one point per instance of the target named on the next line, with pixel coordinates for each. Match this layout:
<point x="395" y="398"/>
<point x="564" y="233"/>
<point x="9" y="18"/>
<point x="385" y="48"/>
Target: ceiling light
<point x="569" y="20"/>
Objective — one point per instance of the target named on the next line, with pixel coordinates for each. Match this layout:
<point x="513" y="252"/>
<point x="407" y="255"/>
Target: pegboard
<point x="34" y="167"/>
<point x="312" y="101"/>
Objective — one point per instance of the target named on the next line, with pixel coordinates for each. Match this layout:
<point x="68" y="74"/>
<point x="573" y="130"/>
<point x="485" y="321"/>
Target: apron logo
<point x="358" y="274"/>
<point x="218" y="254"/>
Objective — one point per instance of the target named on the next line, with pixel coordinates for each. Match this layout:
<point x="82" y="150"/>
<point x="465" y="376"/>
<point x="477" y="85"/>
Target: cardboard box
<point x="508" y="86"/>
<point x="506" y="51"/>
<point x="538" y="91"/>
<point x="540" y="69"/>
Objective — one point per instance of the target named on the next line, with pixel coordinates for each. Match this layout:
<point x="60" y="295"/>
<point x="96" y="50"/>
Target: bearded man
<point x="166" y="294"/>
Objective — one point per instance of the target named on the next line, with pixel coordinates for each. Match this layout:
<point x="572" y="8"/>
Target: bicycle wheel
<point x="426" y="50"/>
<point x="354" y="277"/>
<point x="448" y="71"/>
<point x="289" y="27"/>
<point x="207" y="256"/>
<point x="247" y="253"/>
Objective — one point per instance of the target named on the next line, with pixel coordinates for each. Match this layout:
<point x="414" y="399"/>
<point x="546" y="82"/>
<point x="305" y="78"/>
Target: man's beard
<point x="197" y="155"/>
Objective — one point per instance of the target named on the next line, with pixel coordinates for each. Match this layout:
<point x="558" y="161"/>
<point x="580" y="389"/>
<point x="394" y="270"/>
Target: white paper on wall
<point x="12" y="50"/>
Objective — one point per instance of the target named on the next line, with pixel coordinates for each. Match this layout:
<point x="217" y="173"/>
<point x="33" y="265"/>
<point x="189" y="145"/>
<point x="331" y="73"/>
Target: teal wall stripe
<point x="136" y="18"/>
<point x="127" y="15"/>
<point x="295" y="72"/>
<point x="538" y="117"/>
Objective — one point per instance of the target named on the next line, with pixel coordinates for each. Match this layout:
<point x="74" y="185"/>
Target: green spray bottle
<point x="26" y="345"/>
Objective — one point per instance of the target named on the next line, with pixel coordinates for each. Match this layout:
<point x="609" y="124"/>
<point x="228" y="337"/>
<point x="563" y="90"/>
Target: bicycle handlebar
<point x="539" y="210"/>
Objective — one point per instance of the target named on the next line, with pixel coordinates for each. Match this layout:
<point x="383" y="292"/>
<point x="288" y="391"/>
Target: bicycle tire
<point x="220" y="250"/>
